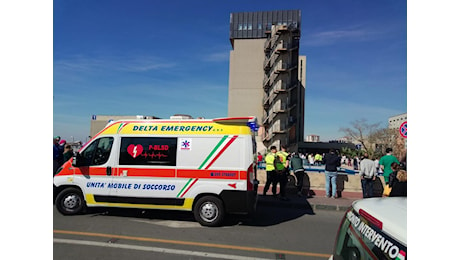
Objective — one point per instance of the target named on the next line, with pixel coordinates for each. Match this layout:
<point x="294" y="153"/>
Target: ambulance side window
<point x="97" y="153"/>
<point x="148" y="151"/>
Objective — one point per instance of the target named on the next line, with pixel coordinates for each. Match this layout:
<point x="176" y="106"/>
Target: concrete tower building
<point x="267" y="76"/>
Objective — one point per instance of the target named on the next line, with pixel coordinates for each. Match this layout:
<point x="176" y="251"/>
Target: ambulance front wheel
<point x="209" y="211"/>
<point x="70" y="201"/>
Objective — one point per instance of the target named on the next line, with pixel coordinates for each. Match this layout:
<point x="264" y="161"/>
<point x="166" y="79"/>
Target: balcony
<point x="280" y="108"/>
<point x="266" y="83"/>
<point x="268" y="64"/>
<point x="265" y="99"/>
<point x="265" y="119"/>
<point x="280" y="87"/>
<point x="281" y="46"/>
<point x="267" y="45"/>
<point x="279" y="129"/>
<point x="267" y="137"/>
<point x="281" y="67"/>
<point x="278" y="29"/>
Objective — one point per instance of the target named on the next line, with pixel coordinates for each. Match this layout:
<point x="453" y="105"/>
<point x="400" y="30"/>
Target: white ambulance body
<point x="374" y="228"/>
<point x="204" y="166"/>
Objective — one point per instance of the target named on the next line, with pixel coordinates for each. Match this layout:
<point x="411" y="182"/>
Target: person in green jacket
<point x="385" y="164"/>
<point x="68" y="152"/>
<point x="299" y="171"/>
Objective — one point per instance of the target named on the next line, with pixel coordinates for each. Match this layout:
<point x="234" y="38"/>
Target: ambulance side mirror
<point x="76" y="160"/>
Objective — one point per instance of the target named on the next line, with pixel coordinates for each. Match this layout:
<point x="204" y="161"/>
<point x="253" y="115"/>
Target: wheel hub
<point x="209" y="212"/>
<point x="71" y="201"/>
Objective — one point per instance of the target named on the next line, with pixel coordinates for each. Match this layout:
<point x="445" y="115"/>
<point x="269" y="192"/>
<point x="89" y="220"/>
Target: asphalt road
<point x="273" y="233"/>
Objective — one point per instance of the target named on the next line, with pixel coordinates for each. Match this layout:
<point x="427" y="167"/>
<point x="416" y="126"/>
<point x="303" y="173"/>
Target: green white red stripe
<point x="186" y="187"/>
<point x="218" y="150"/>
<point x="401" y="255"/>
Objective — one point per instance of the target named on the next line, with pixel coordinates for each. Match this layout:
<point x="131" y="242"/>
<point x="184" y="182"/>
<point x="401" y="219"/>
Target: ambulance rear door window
<point x="159" y="151"/>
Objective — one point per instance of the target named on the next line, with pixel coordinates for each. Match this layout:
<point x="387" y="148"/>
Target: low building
<point x="312" y="138"/>
<point x="395" y="122"/>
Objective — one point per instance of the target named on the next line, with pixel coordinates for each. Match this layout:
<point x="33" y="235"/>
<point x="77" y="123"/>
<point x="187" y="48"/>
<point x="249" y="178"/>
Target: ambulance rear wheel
<point x="70" y="201"/>
<point x="209" y="211"/>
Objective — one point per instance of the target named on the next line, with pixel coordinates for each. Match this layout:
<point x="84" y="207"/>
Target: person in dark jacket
<point x="297" y="168"/>
<point x="331" y="161"/>
<point x="399" y="188"/>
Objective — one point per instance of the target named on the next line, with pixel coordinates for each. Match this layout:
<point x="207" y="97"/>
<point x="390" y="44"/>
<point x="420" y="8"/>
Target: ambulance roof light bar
<point x="250" y="121"/>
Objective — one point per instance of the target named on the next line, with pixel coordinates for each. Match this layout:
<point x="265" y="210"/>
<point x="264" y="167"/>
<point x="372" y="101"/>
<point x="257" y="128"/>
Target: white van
<point x="204" y="166"/>
<point x="374" y="228"/>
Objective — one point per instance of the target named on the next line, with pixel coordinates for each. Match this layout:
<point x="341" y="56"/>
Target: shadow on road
<point x="271" y="211"/>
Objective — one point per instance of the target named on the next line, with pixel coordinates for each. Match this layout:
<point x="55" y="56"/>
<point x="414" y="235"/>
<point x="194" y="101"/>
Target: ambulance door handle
<point x="109" y="170"/>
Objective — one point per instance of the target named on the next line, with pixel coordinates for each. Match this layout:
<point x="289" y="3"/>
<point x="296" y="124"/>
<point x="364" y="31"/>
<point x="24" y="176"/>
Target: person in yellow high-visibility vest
<point x="282" y="170"/>
<point x="270" y="169"/>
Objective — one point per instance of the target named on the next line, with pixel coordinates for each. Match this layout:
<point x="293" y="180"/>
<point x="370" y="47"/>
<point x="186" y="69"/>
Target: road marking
<point x="155" y="249"/>
<point x="178" y="242"/>
<point x="171" y="223"/>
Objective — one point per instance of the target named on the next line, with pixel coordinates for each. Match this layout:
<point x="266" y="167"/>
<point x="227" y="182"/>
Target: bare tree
<point x="375" y="140"/>
<point x="360" y="131"/>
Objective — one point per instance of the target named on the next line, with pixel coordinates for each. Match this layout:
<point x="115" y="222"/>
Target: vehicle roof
<point x="224" y="125"/>
<point x="241" y="120"/>
<point x="391" y="211"/>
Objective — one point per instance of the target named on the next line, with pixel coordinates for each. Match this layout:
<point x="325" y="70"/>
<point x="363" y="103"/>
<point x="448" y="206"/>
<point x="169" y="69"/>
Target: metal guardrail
<point x="316" y="168"/>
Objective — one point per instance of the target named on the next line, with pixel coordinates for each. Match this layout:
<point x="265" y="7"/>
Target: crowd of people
<point x="279" y="164"/>
<point x="62" y="152"/>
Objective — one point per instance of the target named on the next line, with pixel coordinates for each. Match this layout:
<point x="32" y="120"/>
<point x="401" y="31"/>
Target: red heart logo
<point x="135" y="150"/>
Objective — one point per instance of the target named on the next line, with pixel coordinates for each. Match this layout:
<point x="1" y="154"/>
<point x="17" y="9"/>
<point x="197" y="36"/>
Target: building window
<point x="250" y="26"/>
<point x="240" y="27"/>
<point x="245" y="27"/>
<point x="259" y="26"/>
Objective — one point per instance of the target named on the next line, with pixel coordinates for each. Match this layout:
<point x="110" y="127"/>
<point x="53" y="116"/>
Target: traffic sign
<point x="403" y="129"/>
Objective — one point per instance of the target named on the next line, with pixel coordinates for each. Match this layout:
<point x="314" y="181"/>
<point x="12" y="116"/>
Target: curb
<point x="301" y="203"/>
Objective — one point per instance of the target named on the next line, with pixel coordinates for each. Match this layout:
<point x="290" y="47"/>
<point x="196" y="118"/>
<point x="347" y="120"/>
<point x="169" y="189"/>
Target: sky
<point x="160" y="58"/>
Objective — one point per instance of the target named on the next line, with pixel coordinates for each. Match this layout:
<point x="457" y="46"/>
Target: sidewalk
<point x="317" y="202"/>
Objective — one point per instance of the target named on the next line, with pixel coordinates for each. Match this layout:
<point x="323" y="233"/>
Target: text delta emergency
<point x="173" y="128"/>
<point x="386" y="246"/>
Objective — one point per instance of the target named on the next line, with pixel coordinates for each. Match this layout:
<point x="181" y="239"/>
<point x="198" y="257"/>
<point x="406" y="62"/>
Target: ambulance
<point x="373" y="228"/>
<point x="206" y="166"/>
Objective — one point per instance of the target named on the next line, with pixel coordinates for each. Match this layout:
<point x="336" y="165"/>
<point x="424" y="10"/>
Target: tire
<point x="209" y="211"/>
<point x="70" y="201"/>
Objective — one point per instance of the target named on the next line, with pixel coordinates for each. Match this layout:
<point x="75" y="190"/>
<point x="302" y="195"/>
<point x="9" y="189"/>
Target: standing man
<point x="385" y="164"/>
<point x="270" y="169"/>
<point x="331" y="161"/>
<point x="299" y="171"/>
<point x="368" y="173"/>
<point x="282" y="171"/>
